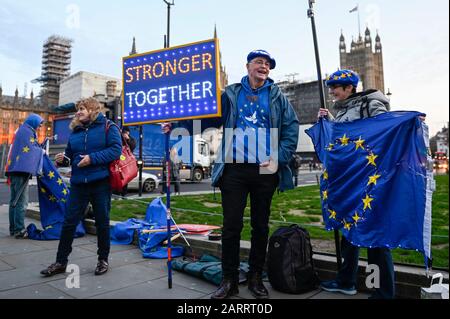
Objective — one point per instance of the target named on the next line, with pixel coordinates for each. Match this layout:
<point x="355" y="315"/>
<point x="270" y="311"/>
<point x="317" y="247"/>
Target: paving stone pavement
<point x="130" y="276"/>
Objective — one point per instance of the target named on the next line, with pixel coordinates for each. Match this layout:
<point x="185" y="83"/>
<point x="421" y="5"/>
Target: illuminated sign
<point x="171" y="84"/>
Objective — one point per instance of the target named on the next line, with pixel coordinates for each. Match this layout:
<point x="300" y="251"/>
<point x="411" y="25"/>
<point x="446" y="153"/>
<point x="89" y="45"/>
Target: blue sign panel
<point x="171" y="84"/>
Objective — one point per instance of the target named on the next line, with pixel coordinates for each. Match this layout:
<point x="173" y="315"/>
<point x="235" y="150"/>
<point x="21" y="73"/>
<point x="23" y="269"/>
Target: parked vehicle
<point x="195" y="165"/>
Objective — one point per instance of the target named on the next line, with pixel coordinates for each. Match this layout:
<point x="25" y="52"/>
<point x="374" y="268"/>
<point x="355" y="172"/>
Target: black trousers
<point x="236" y="183"/>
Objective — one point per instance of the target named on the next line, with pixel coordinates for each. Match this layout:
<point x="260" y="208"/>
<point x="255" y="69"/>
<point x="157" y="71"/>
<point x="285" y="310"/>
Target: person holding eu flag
<point x="25" y="160"/>
<point x="351" y="105"/>
<point x="89" y="151"/>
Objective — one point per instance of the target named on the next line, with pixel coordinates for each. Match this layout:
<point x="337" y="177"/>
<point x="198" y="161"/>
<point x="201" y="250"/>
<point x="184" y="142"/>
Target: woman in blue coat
<point x="89" y="151"/>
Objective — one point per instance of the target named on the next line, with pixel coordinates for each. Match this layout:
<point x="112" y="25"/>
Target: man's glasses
<point x="261" y="62"/>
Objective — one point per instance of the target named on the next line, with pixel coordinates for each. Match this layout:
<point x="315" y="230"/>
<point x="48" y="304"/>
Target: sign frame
<point x="172" y="119"/>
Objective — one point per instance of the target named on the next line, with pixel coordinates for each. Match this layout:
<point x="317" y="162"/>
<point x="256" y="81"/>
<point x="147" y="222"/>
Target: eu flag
<point x="375" y="185"/>
<point x="25" y="154"/>
<point x="53" y="196"/>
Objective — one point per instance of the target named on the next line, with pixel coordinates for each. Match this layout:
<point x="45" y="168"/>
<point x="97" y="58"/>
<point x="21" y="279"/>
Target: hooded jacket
<point x="26" y="155"/>
<point x="360" y="105"/>
<point x="282" y="117"/>
<point x="102" y="148"/>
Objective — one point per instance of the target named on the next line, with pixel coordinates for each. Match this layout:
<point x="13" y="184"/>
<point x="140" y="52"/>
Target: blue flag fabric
<point x="26" y="154"/>
<point x="149" y="243"/>
<point x="123" y="233"/>
<point x="53" y="196"/>
<point x="375" y="184"/>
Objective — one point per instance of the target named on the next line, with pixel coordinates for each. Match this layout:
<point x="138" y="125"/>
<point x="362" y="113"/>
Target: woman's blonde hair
<point x="94" y="108"/>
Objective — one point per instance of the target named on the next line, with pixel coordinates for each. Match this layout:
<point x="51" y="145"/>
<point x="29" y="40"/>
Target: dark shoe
<point x="23" y="234"/>
<point x="334" y="286"/>
<point x="227" y="288"/>
<point x="53" y="269"/>
<point x="102" y="267"/>
<point x="256" y="286"/>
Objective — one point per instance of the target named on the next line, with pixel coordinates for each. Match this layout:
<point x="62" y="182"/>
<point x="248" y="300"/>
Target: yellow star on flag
<point x="356" y="217"/>
<point x="371" y="158"/>
<point x="367" y="201"/>
<point x="26" y="149"/>
<point x="51" y="174"/>
<point x="32" y="140"/>
<point x="330" y="147"/>
<point x="373" y="179"/>
<point x="52" y="198"/>
<point x="64" y="191"/>
<point x="347" y="225"/>
<point x="43" y="190"/>
<point x="325" y="195"/>
<point x="17" y="158"/>
<point x="59" y="181"/>
<point x="63" y="200"/>
<point x="325" y="174"/>
<point x="359" y="143"/>
<point x="344" y="140"/>
<point x="9" y="162"/>
<point x="332" y="213"/>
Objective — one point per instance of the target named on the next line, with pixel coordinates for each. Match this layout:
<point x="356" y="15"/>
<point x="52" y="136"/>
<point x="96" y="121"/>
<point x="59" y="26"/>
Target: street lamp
<point x="169" y="4"/>
<point x="323" y="105"/>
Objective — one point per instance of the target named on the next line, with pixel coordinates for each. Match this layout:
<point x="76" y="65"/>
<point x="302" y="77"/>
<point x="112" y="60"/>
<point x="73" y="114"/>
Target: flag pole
<point x="323" y="105"/>
<point x="168" y="214"/>
<point x="359" y="22"/>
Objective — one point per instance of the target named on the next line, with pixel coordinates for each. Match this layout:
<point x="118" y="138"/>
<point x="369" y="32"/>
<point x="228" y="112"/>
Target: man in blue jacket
<point x="244" y="168"/>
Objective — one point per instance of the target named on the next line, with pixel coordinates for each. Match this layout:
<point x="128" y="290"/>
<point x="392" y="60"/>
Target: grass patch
<point x="191" y="209"/>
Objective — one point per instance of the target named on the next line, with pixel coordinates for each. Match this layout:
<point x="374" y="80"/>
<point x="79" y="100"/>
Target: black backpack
<point x="290" y="265"/>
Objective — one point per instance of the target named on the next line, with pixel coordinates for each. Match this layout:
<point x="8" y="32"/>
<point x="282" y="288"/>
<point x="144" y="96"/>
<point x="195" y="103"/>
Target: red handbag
<point x="122" y="170"/>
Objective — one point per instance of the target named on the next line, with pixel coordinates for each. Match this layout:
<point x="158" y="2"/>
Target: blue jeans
<point x="379" y="256"/>
<point x="17" y="214"/>
<point x="98" y="193"/>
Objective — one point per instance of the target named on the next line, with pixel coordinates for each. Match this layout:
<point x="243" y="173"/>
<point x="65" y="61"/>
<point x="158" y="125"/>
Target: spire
<point x="378" y="46"/>
<point x="341" y="38"/>
<point x="16" y="96"/>
<point x="377" y="38"/>
<point x="133" y="48"/>
<point x="31" y="94"/>
<point x="215" y="31"/>
<point x="1" y="91"/>
<point x="367" y="38"/>
<point x="342" y="47"/>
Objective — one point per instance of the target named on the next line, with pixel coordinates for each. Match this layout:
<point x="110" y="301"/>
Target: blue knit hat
<point x="343" y="77"/>
<point x="264" y="54"/>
